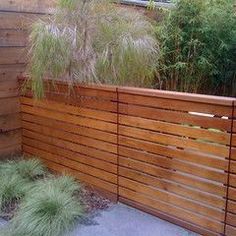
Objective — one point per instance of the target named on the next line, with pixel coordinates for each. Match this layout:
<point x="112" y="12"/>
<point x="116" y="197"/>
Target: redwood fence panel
<point x="173" y="151"/>
<point x="170" y="154"/>
<point x="75" y="134"/>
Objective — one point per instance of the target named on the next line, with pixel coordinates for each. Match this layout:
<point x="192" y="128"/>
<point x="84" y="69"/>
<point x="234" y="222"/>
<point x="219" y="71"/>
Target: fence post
<point x="117" y="136"/>
<point x="229" y="170"/>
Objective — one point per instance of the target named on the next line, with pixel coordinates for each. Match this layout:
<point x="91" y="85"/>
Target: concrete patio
<point x="121" y="220"/>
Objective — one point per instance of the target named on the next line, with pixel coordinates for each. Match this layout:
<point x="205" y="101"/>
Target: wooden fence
<point x="173" y="155"/>
<point x="16" y="17"/>
<point x="170" y="154"/>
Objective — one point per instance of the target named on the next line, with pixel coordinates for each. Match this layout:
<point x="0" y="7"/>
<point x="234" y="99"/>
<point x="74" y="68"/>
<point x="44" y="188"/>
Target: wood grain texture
<point x="10" y="122"/>
<point x="12" y="55"/>
<point x="164" y="153"/>
<point x="11" y="38"/>
<point x="10" y="139"/>
<point x="172" y="143"/>
<point x="79" y="139"/>
<point x="9" y="88"/>
<point x="35" y="6"/>
<point x="9" y="105"/>
<point x="16" y="19"/>
<point x="10" y="151"/>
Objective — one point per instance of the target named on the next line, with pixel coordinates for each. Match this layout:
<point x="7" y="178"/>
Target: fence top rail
<point x="199" y="98"/>
<point x="194" y="97"/>
<point x="63" y="83"/>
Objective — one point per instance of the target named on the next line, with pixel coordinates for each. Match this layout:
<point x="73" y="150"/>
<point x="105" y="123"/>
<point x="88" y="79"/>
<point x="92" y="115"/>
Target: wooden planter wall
<point x="170" y="154"/>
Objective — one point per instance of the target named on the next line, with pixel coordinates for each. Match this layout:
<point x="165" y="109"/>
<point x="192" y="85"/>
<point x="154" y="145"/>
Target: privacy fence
<point x="16" y="17"/>
<point x="170" y="154"/>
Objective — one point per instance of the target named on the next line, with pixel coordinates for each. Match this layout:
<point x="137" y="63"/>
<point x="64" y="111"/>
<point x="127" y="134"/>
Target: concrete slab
<point x="121" y="220"/>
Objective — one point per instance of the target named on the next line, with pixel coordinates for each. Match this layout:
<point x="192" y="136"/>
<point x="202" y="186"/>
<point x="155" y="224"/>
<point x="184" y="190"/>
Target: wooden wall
<point x="170" y="154"/>
<point x="16" y="17"/>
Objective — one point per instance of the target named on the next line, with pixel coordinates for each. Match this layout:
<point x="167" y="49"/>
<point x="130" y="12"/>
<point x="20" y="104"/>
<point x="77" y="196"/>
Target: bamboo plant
<point x="197" y="47"/>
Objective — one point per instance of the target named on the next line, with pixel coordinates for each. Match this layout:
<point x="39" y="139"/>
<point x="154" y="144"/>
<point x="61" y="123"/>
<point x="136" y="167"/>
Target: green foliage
<point x="93" y="42"/>
<point x="16" y="178"/>
<point x="151" y="5"/>
<point x="69" y="4"/>
<point x="25" y="169"/>
<point x="197" y="47"/>
<point x="11" y="188"/>
<point x="126" y="50"/>
<point x="49" y="209"/>
<point x="49" y="53"/>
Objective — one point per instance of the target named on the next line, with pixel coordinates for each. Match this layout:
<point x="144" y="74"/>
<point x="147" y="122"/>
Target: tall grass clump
<point x="25" y="169"/>
<point x="93" y="41"/>
<point x="49" y="209"/>
<point x="16" y="178"/>
<point x="198" y="47"/>
<point x="11" y="189"/>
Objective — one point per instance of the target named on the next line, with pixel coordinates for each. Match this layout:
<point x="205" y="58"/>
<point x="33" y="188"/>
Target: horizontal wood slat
<point x="79" y="139"/>
<point x="10" y="72"/>
<point x="9" y="105"/>
<point x="183" y="118"/>
<point x="10" y="122"/>
<point x="170" y="198"/>
<point x="16" y="18"/>
<point x="9" y="139"/>
<point x="10" y="38"/>
<point x="10" y="151"/>
<point x="172" y="140"/>
<point x="172" y="187"/>
<point x="176" y="103"/>
<point x="171" y="128"/>
<point x="171" y="144"/>
<point x="75" y="129"/>
<point x="84" y="112"/>
<point x="101" y="145"/>
<point x="12" y="55"/>
<point x="8" y="88"/>
<point x="198" y="98"/>
<point x="36" y="6"/>
<point x="175" y="211"/>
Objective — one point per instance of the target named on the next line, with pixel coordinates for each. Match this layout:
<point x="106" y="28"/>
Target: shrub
<point x="49" y="209"/>
<point x="93" y="42"/>
<point x="26" y="169"/>
<point x="197" y="47"/>
<point x="11" y="189"/>
<point x="16" y="178"/>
